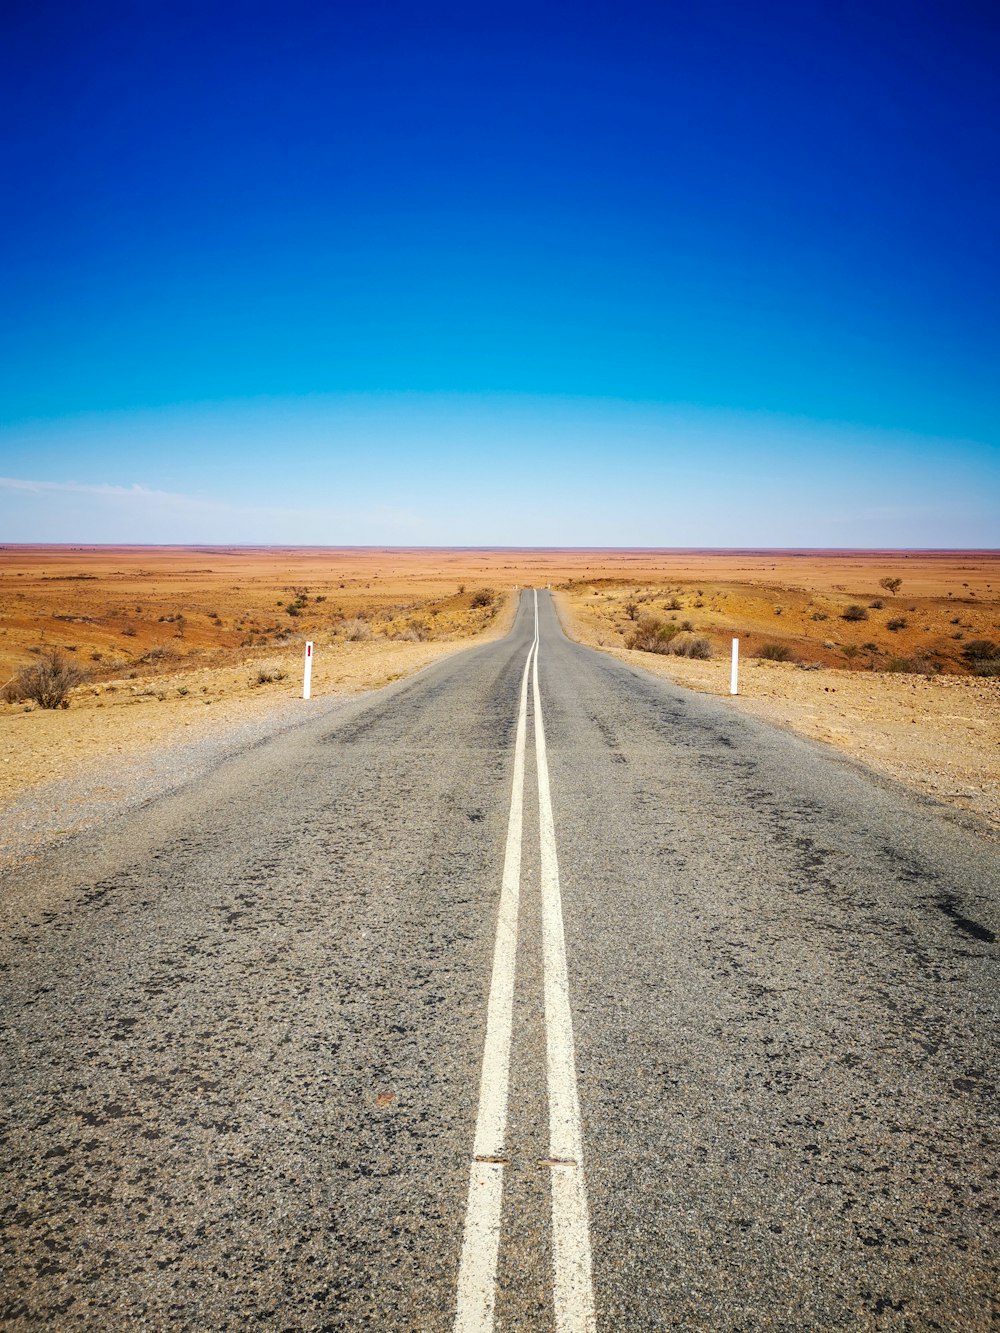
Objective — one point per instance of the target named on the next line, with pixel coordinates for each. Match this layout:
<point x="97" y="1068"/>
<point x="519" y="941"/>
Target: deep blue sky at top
<point x="738" y="208"/>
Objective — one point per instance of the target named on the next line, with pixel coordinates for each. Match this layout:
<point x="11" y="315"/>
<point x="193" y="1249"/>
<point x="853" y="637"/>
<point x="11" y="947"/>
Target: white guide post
<point x="734" y="673"/>
<point x="307" y="671"/>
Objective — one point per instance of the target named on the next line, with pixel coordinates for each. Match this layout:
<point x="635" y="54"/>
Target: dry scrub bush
<point x="692" y="645"/>
<point x="854" y="612"/>
<point x="907" y="665"/>
<point x="983" y="656"/>
<point x="651" y="635"/>
<point x="356" y="630"/>
<point x="46" y="682"/>
<point x="980" y="650"/>
<point x="160" y="653"/>
<point x="483" y="597"/>
<point x="775" y="652"/>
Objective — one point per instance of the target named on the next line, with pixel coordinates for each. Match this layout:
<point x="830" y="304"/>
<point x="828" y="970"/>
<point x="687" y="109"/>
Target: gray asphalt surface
<point x="243" y="1027"/>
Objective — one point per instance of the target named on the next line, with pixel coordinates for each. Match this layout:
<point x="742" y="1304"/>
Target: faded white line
<point x="573" y="1283"/>
<point x="481" y="1244"/>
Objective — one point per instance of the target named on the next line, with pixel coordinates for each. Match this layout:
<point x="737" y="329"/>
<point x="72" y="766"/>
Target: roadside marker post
<point x="734" y="673"/>
<point x="307" y="671"/>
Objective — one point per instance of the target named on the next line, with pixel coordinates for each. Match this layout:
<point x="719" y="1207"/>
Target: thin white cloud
<point x="80" y="488"/>
<point x="107" y="502"/>
<point x="135" y="496"/>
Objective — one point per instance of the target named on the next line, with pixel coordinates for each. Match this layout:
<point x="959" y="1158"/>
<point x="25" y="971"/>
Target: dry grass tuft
<point x="266" y="674"/>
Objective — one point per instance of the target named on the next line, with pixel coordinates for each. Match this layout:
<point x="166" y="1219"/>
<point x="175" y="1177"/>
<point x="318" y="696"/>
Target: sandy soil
<point x="938" y="734"/>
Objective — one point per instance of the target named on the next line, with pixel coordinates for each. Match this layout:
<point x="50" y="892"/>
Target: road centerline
<point x="573" y="1282"/>
<point x="481" y="1243"/>
<point x="573" y="1296"/>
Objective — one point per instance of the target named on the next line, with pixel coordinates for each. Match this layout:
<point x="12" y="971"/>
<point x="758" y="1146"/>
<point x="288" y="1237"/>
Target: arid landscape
<point x="175" y="641"/>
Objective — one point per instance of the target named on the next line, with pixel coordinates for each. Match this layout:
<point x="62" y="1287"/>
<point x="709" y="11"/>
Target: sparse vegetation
<point x="653" y="635"/>
<point x="483" y="597"/>
<point x="854" y="612"/>
<point x="891" y="585"/>
<point x="896" y="624"/>
<point x="46" y="682"/>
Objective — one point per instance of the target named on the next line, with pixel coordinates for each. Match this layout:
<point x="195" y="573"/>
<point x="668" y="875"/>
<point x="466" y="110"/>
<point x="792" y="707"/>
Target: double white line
<point x="572" y="1286"/>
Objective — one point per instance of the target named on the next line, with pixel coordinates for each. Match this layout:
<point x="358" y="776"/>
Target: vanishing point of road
<point x="529" y="993"/>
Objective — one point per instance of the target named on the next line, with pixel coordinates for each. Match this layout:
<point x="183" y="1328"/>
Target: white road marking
<point x="480" y="1247"/>
<point x="573" y="1293"/>
<point x="573" y="1286"/>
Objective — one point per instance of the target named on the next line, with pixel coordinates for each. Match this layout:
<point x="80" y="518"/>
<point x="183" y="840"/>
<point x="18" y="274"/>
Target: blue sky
<point x="719" y="274"/>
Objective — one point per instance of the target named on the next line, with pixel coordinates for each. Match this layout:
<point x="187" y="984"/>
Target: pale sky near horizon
<point x="719" y="275"/>
<point x="511" y="471"/>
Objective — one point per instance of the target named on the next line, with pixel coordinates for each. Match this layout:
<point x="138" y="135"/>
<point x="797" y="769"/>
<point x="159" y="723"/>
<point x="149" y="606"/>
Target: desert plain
<point x="172" y="642"/>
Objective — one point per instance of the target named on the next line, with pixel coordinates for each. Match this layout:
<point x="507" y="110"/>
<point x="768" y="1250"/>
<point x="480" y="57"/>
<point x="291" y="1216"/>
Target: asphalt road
<point x="242" y="1057"/>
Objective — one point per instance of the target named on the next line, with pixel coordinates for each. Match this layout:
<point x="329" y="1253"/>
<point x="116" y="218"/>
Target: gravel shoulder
<point x="938" y="736"/>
